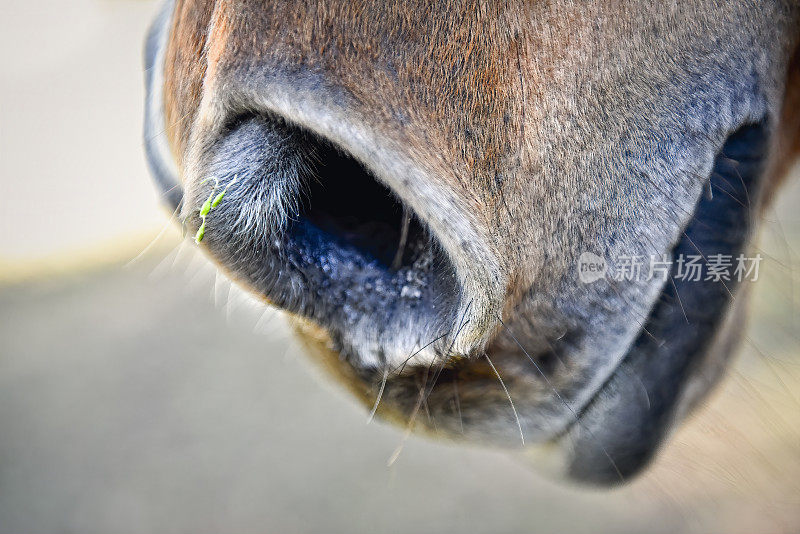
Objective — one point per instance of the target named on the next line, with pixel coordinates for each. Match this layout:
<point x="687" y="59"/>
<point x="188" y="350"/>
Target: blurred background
<point x="140" y="393"/>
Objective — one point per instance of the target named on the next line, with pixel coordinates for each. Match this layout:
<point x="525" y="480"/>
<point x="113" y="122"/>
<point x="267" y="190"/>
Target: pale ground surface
<point x="134" y="399"/>
<point x="70" y="134"/>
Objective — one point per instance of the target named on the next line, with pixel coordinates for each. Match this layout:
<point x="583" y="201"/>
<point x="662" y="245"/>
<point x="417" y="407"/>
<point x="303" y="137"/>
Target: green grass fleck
<point x="211" y="202"/>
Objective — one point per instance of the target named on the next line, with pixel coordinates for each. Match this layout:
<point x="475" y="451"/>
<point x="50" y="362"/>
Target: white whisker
<point x="380" y="395"/>
<point x="511" y="402"/>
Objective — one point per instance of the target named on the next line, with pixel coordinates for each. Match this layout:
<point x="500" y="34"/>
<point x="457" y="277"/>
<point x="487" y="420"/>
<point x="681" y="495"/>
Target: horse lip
<point x="621" y="427"/>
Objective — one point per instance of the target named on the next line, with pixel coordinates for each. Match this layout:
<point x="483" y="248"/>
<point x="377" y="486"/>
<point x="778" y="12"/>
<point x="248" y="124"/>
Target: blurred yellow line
<point x="117" y="251"/>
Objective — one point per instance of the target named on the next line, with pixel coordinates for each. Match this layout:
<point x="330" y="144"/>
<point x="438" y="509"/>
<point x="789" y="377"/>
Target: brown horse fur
<point x="519" y="134"/>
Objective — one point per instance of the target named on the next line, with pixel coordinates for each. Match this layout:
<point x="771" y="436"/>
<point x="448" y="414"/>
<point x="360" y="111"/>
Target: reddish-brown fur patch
<point x="788" y="143"/>
<point x="185" y="68"/>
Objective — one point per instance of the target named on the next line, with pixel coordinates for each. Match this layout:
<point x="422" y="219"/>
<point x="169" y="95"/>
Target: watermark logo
<point x="683" y="268"/>
<point x="591" y="267"/>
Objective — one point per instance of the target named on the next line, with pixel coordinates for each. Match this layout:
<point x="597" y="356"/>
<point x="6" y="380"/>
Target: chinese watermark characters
<point x="685" y="268"/>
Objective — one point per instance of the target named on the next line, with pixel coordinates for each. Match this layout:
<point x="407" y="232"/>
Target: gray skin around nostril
<point x="306" y="226"/>
<point x="265" y="164"/>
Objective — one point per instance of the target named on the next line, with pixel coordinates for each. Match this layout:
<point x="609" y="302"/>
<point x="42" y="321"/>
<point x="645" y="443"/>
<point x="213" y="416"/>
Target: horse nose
<point x="308" y="226"/>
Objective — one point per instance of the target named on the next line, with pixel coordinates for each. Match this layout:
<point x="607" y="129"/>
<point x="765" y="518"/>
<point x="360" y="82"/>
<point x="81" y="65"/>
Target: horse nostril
<point x="355" y="211"/>
<point x="310" y="228"/>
